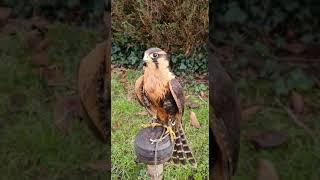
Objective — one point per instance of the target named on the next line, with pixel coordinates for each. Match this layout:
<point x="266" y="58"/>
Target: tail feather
<point x="181" y="151"/>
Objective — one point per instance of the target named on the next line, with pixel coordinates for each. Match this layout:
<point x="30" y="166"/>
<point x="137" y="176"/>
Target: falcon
<point x="161" y="94"/>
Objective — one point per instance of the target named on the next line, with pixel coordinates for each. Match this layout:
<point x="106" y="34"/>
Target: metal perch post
<point x="153" y="153"/>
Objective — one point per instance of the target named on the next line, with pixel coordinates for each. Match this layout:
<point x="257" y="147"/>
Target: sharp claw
<point x="153" y="124"/>
<point x="170" y="132"/>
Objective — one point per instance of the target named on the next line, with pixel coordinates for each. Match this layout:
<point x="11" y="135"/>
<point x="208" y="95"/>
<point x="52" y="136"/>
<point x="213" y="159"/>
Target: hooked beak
<point x="145" y="60"/>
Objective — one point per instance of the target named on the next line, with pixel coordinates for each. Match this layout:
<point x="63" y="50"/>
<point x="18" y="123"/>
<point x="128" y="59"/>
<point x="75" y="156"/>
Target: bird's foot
<point x="170" y="132"/>
<point x="152" y="124"/>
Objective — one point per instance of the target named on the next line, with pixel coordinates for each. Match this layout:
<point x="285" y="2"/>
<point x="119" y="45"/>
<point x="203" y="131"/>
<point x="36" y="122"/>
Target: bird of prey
<point x="162" y="95"/>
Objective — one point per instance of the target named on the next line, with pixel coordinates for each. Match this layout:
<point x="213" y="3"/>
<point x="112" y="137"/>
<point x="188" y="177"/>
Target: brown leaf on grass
<point x="186" y="98"/>
<point x="192" y="105"/>
<point x="295" y="48"/>
<point x="250" y="111"/>
<point x="33" y="38"/>
<point x="123" y="74"/>
<point x="99" y="165"/>
<point x="17" y="102"/>
<point x="193" y="120"/>
<point x="41" y="59"/>
<point x="52" y="75"/>
<point x="120" y="71"/>
<point x="39" y="23"/>
<point x="266" y="171"/>
<point x="125" y="84"/>
<point x="116" y="125"/>
<point x="4" y="13"/>
<point x="131" y="96"/>
<point x="65" y="111"/>
<point x="202" y="94"/>
<point x="44" y="44"/>
<point x="266" y="139"/>
<point x="297" y="102"/>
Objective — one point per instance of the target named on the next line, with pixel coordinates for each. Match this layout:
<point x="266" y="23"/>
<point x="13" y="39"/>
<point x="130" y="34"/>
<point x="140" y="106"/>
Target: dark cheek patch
<point x="155" y="61"/>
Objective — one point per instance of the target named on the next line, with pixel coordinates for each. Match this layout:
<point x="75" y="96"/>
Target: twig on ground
<point x="202" y="99"/>
<point x="296" y="120"/>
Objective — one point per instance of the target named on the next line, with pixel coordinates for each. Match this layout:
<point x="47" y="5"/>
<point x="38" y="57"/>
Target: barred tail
<point x="181" y="151"/>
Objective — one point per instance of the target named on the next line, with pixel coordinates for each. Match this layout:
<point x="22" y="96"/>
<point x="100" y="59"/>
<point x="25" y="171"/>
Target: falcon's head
<point x="155" y="58"/>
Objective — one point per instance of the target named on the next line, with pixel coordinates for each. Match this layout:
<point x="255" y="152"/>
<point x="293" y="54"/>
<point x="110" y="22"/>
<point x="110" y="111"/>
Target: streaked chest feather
<point x="156" y="84"/>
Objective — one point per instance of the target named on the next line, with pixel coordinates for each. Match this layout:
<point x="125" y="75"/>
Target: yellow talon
<point x="151" y="125"/>
<point x="170" y="132"/>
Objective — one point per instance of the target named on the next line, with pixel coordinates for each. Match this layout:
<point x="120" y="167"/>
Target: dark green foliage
<point x="259" y="34"/>
<point x="272" y="17"/>
<point x="131" y="57"/>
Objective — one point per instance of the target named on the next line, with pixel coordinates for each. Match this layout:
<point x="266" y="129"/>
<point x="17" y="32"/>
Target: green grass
<point x="126" y="122"/>
<point x="298" y="158"/>
<point x="31" y="146"/>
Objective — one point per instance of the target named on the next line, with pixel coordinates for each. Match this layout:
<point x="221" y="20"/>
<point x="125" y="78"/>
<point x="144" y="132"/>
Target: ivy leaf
<point x="234" y="14"/>
<point x="73" y="3"/>
<point x="98" y="7"/>
<point x="307" y="38"/>
<point x="291" y="6"/>
<point x="262" y="49"/>
<point x="182" y="66"/>
<point x="280" y="87"/>
<point x="269" y="68"/>
<point x="133" y="58"/>
<point x="298" y="80"/>
<point x="242" y="83"/>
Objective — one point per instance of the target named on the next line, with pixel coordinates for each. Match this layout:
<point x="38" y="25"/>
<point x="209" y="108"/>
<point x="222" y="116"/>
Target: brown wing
<point x="92" y="72"/>
<point x="178" y="95"/>
<point x="138" y="90"/>
<point x="142" y="99"/>
<point x="225" y="119"/>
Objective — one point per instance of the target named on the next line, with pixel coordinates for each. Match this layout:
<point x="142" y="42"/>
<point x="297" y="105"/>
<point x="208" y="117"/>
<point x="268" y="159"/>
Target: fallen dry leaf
<point x="266" y="171"/>
<point x="193" y="120"/>
<point x="186" y="98"/>
<point x="266" y="139"/>
<point x="250" y="111"/>
<point x="33" y="38"/>
<point x="131" y="96"/>
<point x="41" y="59"/>
<point x="116" y="125"/>
<point x="295" y="48"/>
<point x="297" y="102"/>
<point x="202" y="94"/>
<point x="122" y="74"/>
<point x="39" y="23"/>
<point x="52" y="75"/>
<point x="44" y="44"/>
<point x="65" y="111"/>
<point x="124" y="83"/>
<point x="192" y="105"/>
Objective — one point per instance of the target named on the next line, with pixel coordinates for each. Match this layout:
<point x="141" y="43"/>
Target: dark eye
<point x="154" y="55"/>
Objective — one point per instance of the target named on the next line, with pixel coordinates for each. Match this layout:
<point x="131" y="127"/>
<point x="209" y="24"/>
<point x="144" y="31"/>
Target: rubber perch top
<point x="145" y="150"/>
